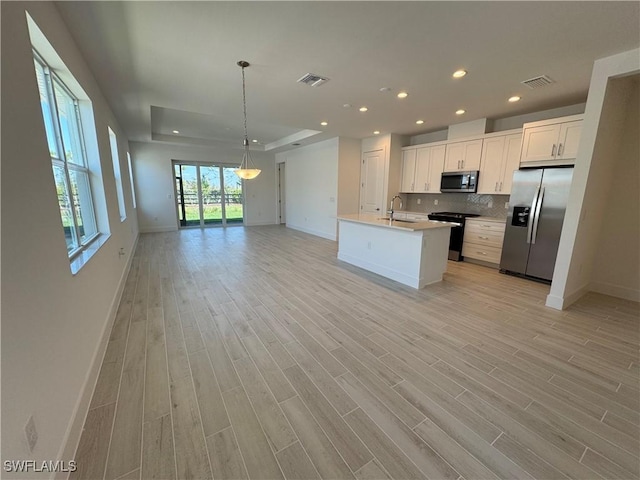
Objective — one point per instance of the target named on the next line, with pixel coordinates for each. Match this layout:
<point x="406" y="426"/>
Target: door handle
<point x="560" y="148"/>
<point x="534" y="204"/>
<point x="553" y="150"/>
<point x="536" y="217"/>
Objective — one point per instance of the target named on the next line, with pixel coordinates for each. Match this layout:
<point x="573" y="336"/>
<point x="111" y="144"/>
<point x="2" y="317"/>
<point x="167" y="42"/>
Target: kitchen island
<point x="412" y="253"/>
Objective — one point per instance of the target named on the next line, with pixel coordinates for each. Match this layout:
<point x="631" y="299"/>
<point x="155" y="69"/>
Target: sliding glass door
<point x="207" y="194"/>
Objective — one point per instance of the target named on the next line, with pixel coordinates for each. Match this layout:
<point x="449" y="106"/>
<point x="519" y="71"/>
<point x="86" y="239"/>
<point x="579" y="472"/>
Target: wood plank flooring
<point x="253" y="353"/>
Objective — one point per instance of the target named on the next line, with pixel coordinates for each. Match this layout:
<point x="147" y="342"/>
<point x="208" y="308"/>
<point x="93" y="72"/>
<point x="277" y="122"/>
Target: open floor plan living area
<point x="320" y="240"/>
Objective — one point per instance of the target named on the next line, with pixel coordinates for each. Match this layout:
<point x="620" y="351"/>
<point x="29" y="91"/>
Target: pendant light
<point x="247" y="169"/>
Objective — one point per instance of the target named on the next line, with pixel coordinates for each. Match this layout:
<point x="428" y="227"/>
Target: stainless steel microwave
<point x="459" y="182"/>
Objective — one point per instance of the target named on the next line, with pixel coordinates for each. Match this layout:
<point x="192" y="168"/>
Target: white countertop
<point x="378" y="221"/>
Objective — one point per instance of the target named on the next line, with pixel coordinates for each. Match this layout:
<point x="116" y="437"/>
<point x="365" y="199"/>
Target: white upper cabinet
<point x="429" y="166"/>
<point x="551" y="142"/>
<point x="407" y="182"/>
<point x="500" y="157"/>
<point x="463" y="156"/>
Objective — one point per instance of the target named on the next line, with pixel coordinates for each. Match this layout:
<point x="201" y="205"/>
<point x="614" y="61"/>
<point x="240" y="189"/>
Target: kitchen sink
<point x="398" y="220"/>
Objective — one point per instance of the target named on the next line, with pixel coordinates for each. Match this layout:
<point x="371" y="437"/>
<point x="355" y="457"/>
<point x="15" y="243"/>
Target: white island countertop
<point x="379" y="221"/>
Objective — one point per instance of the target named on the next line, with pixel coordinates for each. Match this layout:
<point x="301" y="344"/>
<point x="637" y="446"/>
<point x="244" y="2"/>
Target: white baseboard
<point x="171" y="228"/>
<point x="81" y="409"/>
<point x="560" y="303"/>
<point x="317" y="233"/>
<point x="255" y="224"/>
<point x="618" y="291"/>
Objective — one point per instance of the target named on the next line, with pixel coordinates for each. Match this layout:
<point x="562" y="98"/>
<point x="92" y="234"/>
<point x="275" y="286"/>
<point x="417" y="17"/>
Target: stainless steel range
<point x="457" y="232"/>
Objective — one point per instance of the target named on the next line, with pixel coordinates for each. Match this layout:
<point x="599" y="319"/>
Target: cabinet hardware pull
<point x="500" y="189"/>
<point x="560" y="150"/>
<point x="553" y="150"/>
<point x="483" y="238"/>
<point x="495" y="189"/>
<point x="426" y="186"/>
<point x="482" y="253"/>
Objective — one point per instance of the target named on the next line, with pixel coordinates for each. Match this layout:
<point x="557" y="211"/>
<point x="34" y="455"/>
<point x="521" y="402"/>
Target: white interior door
<point x="372" y="182"/>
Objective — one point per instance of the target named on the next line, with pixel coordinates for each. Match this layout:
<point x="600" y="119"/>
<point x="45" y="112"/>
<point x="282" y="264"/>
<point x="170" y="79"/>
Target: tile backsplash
<point x="487" y="205"/>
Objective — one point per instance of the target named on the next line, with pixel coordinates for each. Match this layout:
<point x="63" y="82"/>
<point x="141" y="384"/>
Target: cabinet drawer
<point x="417" y="217"/>
<point x="484" y="226"/>
<point x="491" y="239"/>
<point x="482" y="252"/>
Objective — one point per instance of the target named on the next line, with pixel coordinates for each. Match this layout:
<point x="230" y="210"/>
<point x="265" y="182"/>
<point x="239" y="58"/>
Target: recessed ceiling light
<point x="403" y="95"/>
<point x="459" y="73"/>
<point x="176" y="132"/>
<point x="363" y="109"/>
<point x="460" y="112"/>
<point x="515" y="98"/>
<point x="419" y="122"/>
<point x="324" y="124"/>
<point x="376" y="132"/>
<point x="347" y="105"/>
<point x="254" y="140"/>
<point x="385" y="89"/>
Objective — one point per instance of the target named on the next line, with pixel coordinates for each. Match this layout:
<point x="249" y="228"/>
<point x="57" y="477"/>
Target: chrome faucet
<point x="390" y="212"/>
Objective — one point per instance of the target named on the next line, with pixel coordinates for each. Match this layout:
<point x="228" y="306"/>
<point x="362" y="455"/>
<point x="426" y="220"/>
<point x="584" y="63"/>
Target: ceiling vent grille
<point x="313" y="80"/>
<point x="538" y="82"/>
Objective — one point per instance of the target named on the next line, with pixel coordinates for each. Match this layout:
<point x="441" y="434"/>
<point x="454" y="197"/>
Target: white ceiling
<point x="167" y="66"/>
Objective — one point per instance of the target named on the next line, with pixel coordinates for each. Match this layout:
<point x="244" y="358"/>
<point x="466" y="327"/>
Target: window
<point x="115" y="158"/>
<point x="61" y="115"/>
<point x="133" y="191"/>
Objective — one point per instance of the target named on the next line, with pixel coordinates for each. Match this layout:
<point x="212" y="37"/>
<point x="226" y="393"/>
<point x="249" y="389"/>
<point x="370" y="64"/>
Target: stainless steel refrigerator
<point x="537" y="206"/>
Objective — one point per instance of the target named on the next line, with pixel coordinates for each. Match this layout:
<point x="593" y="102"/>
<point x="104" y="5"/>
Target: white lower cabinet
<point x="483" y="240"/>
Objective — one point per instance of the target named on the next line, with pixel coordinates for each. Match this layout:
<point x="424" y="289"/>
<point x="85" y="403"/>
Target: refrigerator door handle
<point x="536" y="217"/>
<point x="534" y="204"/>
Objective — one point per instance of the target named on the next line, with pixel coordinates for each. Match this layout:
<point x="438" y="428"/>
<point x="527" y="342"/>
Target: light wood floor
<point x="254" y="353"/>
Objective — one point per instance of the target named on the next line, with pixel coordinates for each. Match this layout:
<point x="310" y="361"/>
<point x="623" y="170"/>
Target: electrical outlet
<point x="435" y="202"/>
<point x="31" y="433"/>
<point x="506" y="205"/>
<point x="419" y="201"/>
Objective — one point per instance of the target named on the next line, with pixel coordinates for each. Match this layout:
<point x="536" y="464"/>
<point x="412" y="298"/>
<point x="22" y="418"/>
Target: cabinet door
<point x="407" y="183"/>
<point x="510" y="162"/>
<point x="436" y="167"/>
<point x="423" y="165"/>
<point x="491" y="165"/>
<point x="472" y="155"/>
<point x="454" y="157"/>
<point x="540" y="143"/>
<point x="569" y="139"/>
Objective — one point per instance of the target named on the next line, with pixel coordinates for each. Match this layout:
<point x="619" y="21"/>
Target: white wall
<point x="53" y="323"/>
<point x="616" y="269"/>
<point x="601" y="135"/>
<point x="312" y="187"/>
<point x="154" y="179"/>
<point x="348" y="175"/>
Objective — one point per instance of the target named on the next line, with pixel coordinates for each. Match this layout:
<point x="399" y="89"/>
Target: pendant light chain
<point x="244" y="106"/>
<point x="247" y="169"/>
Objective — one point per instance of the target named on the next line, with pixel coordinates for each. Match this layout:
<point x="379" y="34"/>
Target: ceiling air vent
<point x="313" y="80"/>
<point x="538" y="82"/>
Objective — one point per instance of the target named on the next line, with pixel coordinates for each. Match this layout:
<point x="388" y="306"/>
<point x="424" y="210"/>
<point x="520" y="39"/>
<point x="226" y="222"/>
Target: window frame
<point x="81" y="244"/>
